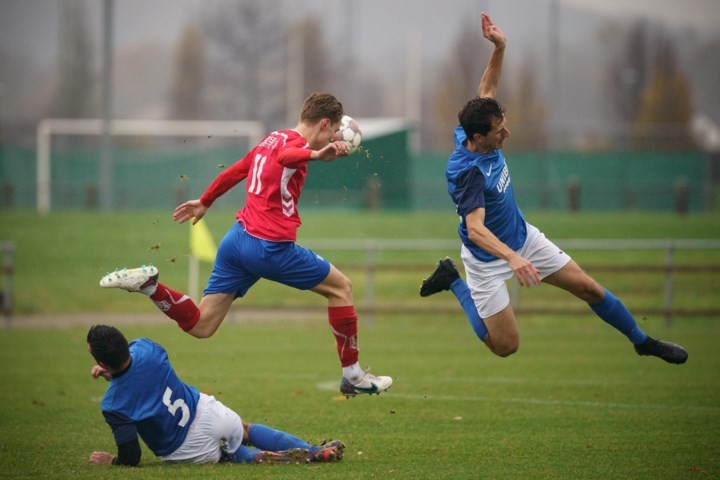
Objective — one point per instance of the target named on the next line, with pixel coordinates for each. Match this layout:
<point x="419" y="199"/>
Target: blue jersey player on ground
<point x="497" y="242"/>
<point x="178" y="423"/>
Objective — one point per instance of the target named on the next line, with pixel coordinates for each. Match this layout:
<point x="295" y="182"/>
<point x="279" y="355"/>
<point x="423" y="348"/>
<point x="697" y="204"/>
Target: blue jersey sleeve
<point x="469" y="191"/>
<point x="123" y="428"/>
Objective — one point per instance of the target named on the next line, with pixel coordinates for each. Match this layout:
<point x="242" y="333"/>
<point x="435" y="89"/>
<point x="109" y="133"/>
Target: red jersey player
<point x="261" y="244"/>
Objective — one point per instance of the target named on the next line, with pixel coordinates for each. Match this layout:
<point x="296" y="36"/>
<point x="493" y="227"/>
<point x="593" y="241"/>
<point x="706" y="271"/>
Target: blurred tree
<point x="317" y="69"/>
<point x="248" y="42"/>
<point x="188" y="84"/>
<point x="703" y="62"/>
<point x="652" y="98"/>
<point x="459" y="78"/>
<point x="526" y="112"/>
<point x="628" y="73"/>
<point x="307" y="63"/>
<point x="74" y="94"/>
<point x="665" y="112"/>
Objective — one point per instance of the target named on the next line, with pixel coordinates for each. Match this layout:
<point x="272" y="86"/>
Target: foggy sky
<point x="379" y="33"/>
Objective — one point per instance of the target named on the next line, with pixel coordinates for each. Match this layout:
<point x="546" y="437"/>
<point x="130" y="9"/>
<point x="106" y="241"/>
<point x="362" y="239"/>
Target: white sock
<point x="353" y="372"/>
<point x="149" y="290"/>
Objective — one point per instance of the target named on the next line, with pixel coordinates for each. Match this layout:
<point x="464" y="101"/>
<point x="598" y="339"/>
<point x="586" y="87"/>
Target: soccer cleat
<point x="444" y="275"/>
<point x="669" y="352"/>
<point x="133" y="280"/>
<point x="369" y="384"/>
<point x="293" y="455"/>
<point x="329" y="451"/>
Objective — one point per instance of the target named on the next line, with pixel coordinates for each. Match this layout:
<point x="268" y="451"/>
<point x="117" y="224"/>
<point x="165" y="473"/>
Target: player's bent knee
<point x="346" y="284"/>
<point x="204" y="329"/>
<point x="504" y="348"/>
<point x="342" y="290"/>
<point x="505" y="351"/>
<point x="201" y="332"/>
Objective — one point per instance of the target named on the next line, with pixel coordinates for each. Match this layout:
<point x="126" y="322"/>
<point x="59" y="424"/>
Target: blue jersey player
<point x="497" y="242"/>
<point x="178" y="423"/>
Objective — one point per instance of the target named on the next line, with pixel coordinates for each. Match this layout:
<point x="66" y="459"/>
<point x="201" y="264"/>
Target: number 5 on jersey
<point x="172" y="407"/>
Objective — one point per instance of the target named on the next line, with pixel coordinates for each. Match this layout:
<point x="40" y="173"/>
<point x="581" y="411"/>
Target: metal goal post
<point x="48" y="127"/>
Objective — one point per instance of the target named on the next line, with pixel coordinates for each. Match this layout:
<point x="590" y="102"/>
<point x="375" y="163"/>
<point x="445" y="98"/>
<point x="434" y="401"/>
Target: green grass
<point x="59" y="258"/>
<point x="575" y="402"/>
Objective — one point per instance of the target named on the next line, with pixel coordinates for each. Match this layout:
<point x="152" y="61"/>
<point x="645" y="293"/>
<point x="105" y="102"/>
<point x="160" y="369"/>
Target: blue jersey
<point x="150" y="400"/>
<point x="482" y="180"/>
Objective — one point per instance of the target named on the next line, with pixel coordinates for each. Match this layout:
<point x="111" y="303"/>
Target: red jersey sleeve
<point x="235" y="174"/>
<point x="294" y="152"/>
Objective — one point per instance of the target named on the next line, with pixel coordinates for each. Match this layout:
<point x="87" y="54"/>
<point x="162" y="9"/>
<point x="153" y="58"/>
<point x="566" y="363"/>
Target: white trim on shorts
<point x="215" y="427"/>
<point x="486" y="280"/>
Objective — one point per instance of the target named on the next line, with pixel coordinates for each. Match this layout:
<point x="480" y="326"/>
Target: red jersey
<point x="276" y="169"/>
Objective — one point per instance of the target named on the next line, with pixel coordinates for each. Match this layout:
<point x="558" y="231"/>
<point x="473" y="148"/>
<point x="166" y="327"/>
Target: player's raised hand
<point x="491" y="31"/>
<point x="98" y="371"/>
<point x="190" y="209"/>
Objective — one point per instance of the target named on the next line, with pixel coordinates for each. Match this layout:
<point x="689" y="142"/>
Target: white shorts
<point x="486" y="280"/>
<point x="215" y="427"/>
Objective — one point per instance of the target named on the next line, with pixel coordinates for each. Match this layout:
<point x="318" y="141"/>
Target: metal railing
<point x="372" y="266"/>
<point x="6" y="295"/>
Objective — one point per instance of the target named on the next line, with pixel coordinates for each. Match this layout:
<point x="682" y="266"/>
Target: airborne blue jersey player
<point x="477" y="180"/>
<point x="497" y="242"/>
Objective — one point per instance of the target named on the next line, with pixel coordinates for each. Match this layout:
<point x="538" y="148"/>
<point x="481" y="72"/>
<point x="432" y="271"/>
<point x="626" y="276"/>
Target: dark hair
<point x="478" y="114"/>
<point x="321" y="105"/>
<point x="108" y="345"/>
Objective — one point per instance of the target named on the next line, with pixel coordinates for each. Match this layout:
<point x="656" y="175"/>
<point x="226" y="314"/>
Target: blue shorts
<point x="243" y="259"/>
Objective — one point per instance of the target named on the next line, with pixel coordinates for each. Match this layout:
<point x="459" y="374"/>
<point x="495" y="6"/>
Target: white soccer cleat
<point x="368" y="384"/>
<point x="133" y="280"/>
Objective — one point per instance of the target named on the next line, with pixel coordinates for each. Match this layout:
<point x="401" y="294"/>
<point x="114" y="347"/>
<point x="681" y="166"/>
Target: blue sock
<point x="245" y="454"/>
<point x="462" y="292"/>
<point x="266" y="438"/>
<point x="612" y="311"/>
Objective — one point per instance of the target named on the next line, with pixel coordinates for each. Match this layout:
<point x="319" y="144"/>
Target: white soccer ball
<point x="349" y="133"/>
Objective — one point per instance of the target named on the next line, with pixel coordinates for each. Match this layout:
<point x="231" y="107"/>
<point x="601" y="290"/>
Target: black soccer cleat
<point x="669" y="352"/>
<point x="444" y="275"/>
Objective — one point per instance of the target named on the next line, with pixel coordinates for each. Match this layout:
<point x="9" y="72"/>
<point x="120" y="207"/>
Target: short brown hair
<point x="321" y="105"/>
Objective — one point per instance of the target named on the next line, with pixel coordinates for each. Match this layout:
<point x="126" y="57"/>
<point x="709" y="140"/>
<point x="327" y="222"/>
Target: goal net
<point x="152" y="164"/>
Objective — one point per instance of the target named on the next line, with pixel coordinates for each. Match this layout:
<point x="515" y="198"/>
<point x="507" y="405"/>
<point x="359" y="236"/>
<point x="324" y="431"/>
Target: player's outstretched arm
<point x="129" y="453"/>
<point x="101" y="458"/>
<point x="330" y="152"/>
<point x="525" y="272"/>
<point x="491" y="76"/>
<point x="190" y="209"/>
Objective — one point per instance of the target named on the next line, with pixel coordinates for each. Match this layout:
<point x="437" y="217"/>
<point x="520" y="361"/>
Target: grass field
<point x="60" y="258"/>
<point x="574" y="403"/>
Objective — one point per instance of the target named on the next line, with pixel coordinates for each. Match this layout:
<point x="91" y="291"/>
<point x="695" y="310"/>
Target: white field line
<point x="537" y="401"/>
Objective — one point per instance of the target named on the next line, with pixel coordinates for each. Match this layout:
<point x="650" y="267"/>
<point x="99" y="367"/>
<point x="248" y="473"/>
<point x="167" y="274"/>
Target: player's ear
<point x="324" y="123"/>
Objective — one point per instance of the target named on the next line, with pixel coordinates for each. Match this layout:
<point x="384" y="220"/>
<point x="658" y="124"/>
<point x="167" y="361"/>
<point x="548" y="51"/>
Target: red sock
<point x="343" y="321"/>
<point x="177" y="306"/>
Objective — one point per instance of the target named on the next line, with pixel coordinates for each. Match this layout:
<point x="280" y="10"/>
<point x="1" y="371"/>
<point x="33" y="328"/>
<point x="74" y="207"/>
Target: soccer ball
<point x="349" y="133"/>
